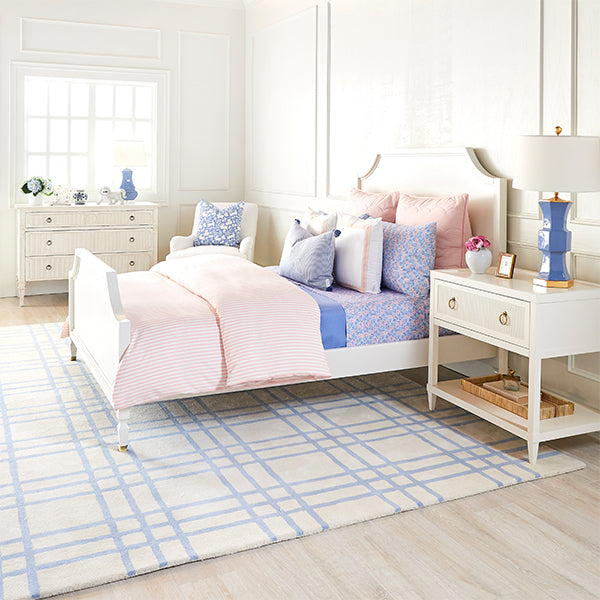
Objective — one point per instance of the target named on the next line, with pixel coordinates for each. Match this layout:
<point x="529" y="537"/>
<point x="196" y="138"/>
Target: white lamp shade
<point x="558" y="163"/>
<point x="130" y="153"/>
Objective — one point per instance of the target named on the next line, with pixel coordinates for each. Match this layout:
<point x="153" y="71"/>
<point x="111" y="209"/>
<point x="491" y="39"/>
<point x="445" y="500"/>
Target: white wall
<point x="201" y="50"/>
<point x="331" y="84"/>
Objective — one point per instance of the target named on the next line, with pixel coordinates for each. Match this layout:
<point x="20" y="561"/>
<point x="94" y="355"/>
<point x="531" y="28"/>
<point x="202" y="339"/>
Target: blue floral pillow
<point x="219" y="226"/>
<point x="408" y="256"/>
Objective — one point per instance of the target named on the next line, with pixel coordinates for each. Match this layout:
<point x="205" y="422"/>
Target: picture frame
<point x="506" y="265"/>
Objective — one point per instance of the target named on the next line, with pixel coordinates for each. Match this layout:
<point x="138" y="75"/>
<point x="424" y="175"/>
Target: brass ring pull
<point x="49" y="243"/>
<point x="452" y="303"/>
<point x="132" y="217"/>
<point x="503" y="318"/>
<point x="132" y="239"/>
<point x="132" y="263"/>
<point x="48" y="267"/>
<point x="48" y="219"/>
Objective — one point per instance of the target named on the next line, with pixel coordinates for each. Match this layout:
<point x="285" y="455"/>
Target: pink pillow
<point x="453" y="225"/>
<point x="375" y="205"/>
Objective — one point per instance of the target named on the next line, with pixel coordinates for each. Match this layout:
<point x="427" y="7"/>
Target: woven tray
<point x="550" y="405"/>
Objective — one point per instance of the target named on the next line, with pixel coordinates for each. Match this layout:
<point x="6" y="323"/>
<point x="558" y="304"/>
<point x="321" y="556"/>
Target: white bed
<point x="100" y="332"/>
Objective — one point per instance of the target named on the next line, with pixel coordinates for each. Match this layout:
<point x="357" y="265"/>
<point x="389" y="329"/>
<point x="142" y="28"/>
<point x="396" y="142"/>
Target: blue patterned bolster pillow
<point x="308" y="258"/>
<point x="219" y="226"/>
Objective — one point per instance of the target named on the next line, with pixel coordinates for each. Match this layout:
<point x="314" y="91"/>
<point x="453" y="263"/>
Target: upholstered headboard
<point x="445" y="172"/>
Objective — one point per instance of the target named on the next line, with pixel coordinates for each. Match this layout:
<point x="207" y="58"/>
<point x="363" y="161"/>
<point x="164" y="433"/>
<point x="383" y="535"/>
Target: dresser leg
<point x="73" y="351"/>
<point x="532" y="449"/>
<point x="21" y="293"/>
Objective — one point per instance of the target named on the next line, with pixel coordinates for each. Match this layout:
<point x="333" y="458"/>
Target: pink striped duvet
<point x="214" y="323"/>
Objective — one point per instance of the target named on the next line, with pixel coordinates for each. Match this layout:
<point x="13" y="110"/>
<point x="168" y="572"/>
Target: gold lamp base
<point x="554" y="284"/>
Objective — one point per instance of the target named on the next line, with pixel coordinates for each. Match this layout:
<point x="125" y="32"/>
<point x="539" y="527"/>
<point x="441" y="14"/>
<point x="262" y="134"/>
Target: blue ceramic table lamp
<point x="129" y="153"/>
<point x="555" y="163"/>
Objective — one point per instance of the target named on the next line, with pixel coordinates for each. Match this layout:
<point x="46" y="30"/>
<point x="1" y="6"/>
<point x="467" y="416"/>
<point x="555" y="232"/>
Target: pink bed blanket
<point x="214" y="323"/>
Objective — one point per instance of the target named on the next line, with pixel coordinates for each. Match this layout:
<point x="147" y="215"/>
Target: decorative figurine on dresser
<point x="124" y="236"/>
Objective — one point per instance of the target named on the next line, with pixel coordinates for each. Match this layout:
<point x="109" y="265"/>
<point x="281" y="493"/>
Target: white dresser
<point x="515" y="316"/>
<point x="124" y="236"/>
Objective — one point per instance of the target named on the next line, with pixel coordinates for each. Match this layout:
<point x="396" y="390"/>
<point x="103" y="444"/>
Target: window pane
<point x="58" y="170"/>
<point x="36" y="166"/>
<point x="80" y="99"/>
<point x="123" y="130"/>
<point x="58" y="135"/>
<point x="124" y="101"/>
<point x="59" y="98"/>
<point x="79" y="136"/>
<point x="104" y="100"/>
<point x="143" y="102"/>
<point x="36" y="135"/>
<point x="143" y="131"/>
<point x="104" y="152"/>
<point x="79" y="172"/>
<point x="36" y="94"/>
<point x="141" y="177"/>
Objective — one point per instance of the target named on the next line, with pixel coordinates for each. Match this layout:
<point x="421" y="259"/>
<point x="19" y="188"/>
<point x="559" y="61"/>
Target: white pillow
<point x="358" y="253"/>
<point x="317" y="221"/>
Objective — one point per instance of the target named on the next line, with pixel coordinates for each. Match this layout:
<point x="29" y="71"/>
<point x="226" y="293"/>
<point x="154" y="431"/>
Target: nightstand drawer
<point x="495" y="315"/>
<point x="48" y="243"/>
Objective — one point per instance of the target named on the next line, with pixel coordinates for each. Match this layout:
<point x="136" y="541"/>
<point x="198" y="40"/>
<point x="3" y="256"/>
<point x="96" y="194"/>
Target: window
<point x="68" y="120"/>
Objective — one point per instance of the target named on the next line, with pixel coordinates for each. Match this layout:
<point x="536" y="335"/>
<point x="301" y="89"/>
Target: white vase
<point x="478" y="261"/>
<point x="36" y="200"/>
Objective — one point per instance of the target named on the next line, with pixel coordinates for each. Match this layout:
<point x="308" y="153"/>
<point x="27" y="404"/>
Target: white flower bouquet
<point x="37" y="185"/>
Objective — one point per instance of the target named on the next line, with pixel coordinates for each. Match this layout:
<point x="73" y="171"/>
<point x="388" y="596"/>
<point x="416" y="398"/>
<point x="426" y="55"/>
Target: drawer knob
<point x="503" y="318"/>
<point x="132" y="239"/>
<point x="49" y="243"/>
<point x="48" y="267"/>
<point x="132" y="217"/>
<point x="132" y="263"/>
<point x="48" y="219"/>
<point x="452" y="303"/>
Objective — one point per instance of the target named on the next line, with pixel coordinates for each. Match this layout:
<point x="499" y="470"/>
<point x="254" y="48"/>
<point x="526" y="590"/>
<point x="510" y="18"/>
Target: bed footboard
<point x="99" y="331"/>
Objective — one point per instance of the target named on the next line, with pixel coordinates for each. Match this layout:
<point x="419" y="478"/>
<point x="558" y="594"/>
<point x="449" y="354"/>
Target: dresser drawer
<point x="495" y="315"/>
<point x="87" y="218"/>
<point x="43" y="268"/>
<point x="49" y="243"/>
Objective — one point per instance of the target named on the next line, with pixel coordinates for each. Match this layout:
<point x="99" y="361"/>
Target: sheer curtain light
<point x="129" y="153"/>
<point x="555" y="163"/>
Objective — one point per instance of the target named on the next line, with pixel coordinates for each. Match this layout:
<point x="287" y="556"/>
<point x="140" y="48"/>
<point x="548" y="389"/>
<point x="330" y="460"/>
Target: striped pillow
<point x="308" y="258"/>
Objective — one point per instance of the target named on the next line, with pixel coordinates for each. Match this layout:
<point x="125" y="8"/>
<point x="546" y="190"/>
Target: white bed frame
<point x="100" y="332"/>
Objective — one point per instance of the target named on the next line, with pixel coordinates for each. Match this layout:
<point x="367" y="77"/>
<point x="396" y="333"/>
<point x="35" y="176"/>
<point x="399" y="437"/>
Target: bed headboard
<point x="445" y="172"/>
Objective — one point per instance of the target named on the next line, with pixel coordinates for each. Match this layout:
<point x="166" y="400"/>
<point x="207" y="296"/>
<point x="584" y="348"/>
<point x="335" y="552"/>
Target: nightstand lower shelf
<point x="584" y="419"/>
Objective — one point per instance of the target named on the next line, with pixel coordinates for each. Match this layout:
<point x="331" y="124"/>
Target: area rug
<point x="211" y="476"/>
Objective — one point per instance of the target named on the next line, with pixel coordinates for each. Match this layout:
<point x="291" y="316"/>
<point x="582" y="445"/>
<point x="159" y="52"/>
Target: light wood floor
<point x="538" y="540"/>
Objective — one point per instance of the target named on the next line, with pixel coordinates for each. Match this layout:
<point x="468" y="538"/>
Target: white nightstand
<point x="515" y="316"/>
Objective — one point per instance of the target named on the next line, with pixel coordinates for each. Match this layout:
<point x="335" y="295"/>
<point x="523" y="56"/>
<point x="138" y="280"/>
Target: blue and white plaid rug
<point x="210" y="476"/>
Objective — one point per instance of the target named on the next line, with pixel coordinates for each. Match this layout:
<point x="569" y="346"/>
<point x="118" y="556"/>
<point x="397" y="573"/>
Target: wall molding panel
<point x="204" y="111"/>
<point x="283" y="113"/>
<point x="71" y="37"/>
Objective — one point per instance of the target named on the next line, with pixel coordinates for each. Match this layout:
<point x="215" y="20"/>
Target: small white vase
<point x="36" y="200"/>
<point x="478" y="261"/>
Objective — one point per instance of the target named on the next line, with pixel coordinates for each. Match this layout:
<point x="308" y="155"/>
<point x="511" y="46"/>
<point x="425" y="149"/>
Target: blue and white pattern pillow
<point x="219" y="226"/>
<point x="308" y="258"/>
<point x="408" y="256"/>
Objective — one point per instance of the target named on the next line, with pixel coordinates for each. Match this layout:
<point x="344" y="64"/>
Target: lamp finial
<point x="558" y="129"/>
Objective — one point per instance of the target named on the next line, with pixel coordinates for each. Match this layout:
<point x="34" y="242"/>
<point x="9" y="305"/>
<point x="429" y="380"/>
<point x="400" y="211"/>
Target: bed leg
<point x="73" y="351"/>
<point x="123" y="429"/>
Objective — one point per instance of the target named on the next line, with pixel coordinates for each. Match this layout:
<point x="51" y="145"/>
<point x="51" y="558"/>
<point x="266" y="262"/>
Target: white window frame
<point x="21" y="70"/>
